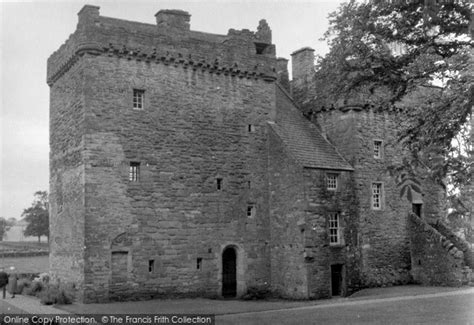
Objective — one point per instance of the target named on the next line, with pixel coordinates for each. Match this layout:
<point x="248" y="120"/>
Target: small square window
<point x="377" y="196"/>
<point x="331" y="181"/>
<point x="378" y="149"/>
<point x="335" y="229"/>
<point x="251" y="211"/>
<point x="151" y="266"/>
<point x="138" y="99"/>
<point x="134" y="171"/>
<point x="199" y="263"/>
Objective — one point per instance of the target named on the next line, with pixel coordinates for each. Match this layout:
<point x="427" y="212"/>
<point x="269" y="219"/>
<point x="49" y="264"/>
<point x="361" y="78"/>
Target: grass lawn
<point x="33" y="264"/>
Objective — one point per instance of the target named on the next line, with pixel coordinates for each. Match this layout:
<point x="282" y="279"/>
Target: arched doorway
<point x="229" y="272"/>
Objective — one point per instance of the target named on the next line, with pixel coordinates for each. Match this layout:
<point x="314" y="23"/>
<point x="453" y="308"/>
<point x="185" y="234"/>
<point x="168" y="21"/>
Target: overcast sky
<point x="31" y="31"/>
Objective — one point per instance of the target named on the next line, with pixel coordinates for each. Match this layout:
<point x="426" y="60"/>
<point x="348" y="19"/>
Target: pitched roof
<point x="302" y="138"/>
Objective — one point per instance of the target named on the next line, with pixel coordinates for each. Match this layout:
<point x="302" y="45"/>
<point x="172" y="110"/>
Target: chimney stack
<point x="173" y="19"/>
<point x="302" y="63"/>
<point x="282" y="73"/>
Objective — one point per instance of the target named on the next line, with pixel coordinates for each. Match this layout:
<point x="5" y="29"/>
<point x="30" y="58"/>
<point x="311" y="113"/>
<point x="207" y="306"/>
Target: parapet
<point x="241" y="53"/>
<point x="88" y="14"/>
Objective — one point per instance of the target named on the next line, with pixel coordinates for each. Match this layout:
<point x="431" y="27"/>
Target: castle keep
<point x="181" y="164"/>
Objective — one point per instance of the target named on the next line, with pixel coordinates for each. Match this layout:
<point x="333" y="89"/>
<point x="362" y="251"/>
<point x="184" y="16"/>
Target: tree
<point x="5" y="225"/>
<point x="37" y="216"/>
<point x="413" y="57"/>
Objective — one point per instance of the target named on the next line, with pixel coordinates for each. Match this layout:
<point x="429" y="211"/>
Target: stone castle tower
<point x="182" y="165"/>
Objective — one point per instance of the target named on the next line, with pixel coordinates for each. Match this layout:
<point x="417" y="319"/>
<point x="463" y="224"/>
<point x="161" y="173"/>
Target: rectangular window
<point x="151" y="266"/>
<point x="377" y="149"/>
<point x="335" y="229"/>
<point x="134" y="172"/>
<point x="199" y="263"/>
<point x="331" y="181"/>
<point x="138" y="99"/>
<point x="251" y="128"/>
<point x="377" y="195"/>
<point x="219" y="184"/>
<point x="251" y="211"/>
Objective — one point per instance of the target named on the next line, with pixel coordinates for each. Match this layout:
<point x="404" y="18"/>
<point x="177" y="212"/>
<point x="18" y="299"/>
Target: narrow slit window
<point x="138" y="99"/>
<point x="199" y="263"/>
<point x="151" y="266"/>
<point x="134" y="171"/>
<point x="219" y="184"/>
<point x="251" y="128"/>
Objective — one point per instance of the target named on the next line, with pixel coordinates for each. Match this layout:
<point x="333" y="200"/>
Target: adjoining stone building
<point x="181" y="164"/>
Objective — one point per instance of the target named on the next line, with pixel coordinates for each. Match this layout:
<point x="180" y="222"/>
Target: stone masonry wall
<point x="207" y="101"/>
<point x="300" y="205"/>
<point x="66" y="198"/>
<point x="289" y="274"/>
<point x="383" y="233"/>
<point x="435" y="259"/>
<point x="301" y="256"/>
<point x="458" y="242"/>
<point x="320" y="254"/>
<point x="194" y="129"/>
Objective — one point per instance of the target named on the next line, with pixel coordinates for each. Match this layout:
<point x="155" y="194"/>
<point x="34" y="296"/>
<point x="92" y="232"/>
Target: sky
<point x="31" y="31"/>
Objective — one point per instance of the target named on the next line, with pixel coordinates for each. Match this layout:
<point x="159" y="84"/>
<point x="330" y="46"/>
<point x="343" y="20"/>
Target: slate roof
<point x="302" y="138"/>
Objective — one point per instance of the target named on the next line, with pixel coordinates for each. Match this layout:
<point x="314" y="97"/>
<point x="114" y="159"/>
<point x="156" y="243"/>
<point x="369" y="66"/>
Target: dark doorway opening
<point x="416" y="208"/>
<point x="229" y="273"/>
<point x="336" y="279"/>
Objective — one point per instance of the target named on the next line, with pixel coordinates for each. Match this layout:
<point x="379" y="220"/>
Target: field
<point x="24" y="264"/>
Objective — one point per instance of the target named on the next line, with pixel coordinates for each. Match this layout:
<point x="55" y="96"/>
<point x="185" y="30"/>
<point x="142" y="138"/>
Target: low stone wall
<point x="24" y="254"/>
<point x="434" y="258"/>
<point x="458" y="242"/>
